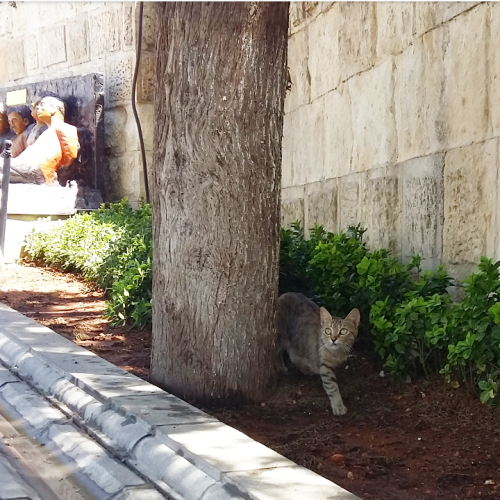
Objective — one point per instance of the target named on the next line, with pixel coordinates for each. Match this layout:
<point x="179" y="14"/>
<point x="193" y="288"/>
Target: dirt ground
<point x="398" y="441"/>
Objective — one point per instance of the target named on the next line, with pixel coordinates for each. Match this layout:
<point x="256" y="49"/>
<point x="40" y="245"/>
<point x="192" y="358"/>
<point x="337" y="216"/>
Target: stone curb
<point x="106" y="476"/>
<point x="185" y="452"/>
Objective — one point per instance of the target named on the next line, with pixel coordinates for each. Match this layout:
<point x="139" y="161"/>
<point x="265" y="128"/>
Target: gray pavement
<point x="126" y="439"/>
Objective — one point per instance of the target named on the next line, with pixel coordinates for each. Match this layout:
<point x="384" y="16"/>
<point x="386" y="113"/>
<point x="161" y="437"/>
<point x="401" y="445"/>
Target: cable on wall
<point x="134" y="109"/>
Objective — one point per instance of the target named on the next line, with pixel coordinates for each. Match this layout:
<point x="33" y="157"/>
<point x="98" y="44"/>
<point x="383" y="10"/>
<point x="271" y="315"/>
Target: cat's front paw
<point x="339" y="408"/>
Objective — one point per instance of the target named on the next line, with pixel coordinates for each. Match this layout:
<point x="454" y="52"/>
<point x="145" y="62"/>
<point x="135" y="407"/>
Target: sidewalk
<point x="185" y="453"/>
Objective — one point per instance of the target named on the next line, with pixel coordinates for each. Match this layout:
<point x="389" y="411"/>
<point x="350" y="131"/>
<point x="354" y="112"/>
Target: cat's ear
<point x="354" y="317"/>
<point x="325" y="316"/>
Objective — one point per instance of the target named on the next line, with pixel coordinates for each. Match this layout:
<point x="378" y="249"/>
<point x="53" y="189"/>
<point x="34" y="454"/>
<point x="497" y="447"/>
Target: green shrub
<point x="474" y="332"/>
<point x="410" y="336"/>
<point x="111" y="247"/>
<point x="415" y="327"/>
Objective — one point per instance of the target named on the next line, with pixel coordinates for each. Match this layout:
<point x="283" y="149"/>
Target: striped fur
<point x="315" y="341"/>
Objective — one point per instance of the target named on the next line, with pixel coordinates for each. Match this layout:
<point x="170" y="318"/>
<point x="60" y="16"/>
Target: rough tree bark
<point x="221" y="79"/>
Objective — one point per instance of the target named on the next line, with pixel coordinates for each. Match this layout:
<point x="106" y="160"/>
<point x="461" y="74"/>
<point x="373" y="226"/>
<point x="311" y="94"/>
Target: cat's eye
<point x="344" y="331"/>
<point x="328" y="331"/>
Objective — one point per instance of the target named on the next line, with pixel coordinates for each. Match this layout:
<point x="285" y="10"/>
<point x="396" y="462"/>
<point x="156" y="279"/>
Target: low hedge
<point x="415" y="326"/>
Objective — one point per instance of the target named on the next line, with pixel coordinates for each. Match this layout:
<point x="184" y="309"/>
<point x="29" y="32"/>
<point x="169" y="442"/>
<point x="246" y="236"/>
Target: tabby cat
<point x="315" y="341"/>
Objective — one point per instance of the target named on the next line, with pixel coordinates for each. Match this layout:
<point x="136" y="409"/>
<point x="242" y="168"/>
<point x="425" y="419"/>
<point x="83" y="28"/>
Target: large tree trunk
<point x="221" y="81"/>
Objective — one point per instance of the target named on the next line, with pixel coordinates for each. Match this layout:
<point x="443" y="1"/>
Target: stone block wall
<point x="48" y="40"/>
<point x="393" y="121"/>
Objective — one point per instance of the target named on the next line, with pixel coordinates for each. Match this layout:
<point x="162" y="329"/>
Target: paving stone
<point x="218" y="448"/>
<point x="94" y="462"/>
<point x="160" y="408"/>
<point x="30" y="405"/>
<point x="13" y="487"/>
<point x="165" y="466"/>
<point x="124" y="431"/>
<point x="10" y="352"/>
<point x="6" y="376"/>
<point x="139" y="494"/>
<point x="282" y="484"/>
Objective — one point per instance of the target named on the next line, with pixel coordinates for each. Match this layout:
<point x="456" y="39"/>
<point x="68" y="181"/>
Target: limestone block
<point x="381" y="208"/>
<point x="418" y="96"/>
<point x="120" y="78"/>
<point x="423" y="209"/>
<point x="494" y="60"/>
<point x="324" y="64"/>
<point x="86" y="6"/>
<point x="357" y="37"/>
<point x="4" y="62"/>
<point x="289" y="152"/>
<point x="125" y="176"/>
<point x="15" y="57"/>
<point x="50" y="13"/>
<point x="298" y="60"/>
<point x="470" y="206"/>
<point x="453" y="9"/>
<point x="303" y="146"/>
<point x="395" y="27"/>
<point x="338" y="132"/>
<point x="466" y="84"/>
<point x="128" y="24"/>
<point x="53" y="45"/>
<point x="129" y="133"/>
<point x="297" y="16"/>
<point x="115" y="120"/>
<point x="104" y="32"/>
<point x="147" y="118"/>
<point x="373" y="121"/>
<point x="5" y="20"/>
<point x="149" y="31"/>
<point x="292" y="205"/>
<point x="321" y="204"/>
<point x="429" y="15"/>
<point x="146" y="79"/>
<point x="350" y="188"/>
<point x="32" y="52"/>
<point x="77" y="39"/>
